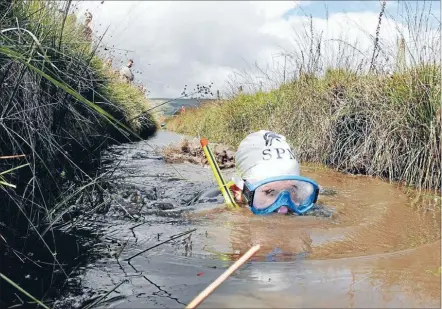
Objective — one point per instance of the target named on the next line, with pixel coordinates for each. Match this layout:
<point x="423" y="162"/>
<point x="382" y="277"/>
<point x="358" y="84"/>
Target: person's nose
<point x="283" y="210"/>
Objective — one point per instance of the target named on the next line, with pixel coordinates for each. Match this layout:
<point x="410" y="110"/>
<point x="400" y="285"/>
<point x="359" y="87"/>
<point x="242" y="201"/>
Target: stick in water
<point x="12" y="157"/>
<point x="163" y="242"/>
<point x="207" y="291"/>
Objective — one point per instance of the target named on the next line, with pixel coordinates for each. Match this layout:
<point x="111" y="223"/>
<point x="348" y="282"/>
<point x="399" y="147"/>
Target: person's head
<point x="130" y="63"/>
<point x="268" y="176"/>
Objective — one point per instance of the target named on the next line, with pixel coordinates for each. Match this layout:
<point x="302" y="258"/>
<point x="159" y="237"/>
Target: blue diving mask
<point x="297" y="193"/>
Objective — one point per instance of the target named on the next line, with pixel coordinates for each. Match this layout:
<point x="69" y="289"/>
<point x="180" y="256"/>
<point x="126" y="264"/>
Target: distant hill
<point x="174" y="105"/>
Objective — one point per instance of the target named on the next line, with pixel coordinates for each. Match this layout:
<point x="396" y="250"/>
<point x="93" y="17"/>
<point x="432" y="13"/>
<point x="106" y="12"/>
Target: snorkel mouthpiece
<point x="283" y="201"/>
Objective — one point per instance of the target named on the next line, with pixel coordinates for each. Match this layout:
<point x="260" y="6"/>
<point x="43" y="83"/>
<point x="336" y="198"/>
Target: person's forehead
<point x="279" y="183"/>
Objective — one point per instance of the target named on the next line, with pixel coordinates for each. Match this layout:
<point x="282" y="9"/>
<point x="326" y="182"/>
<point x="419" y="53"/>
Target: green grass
<point x="60" y="108"/>
<point x="387" y="126"/>
<point x="130" y="98"/>
<point x="15" y="285"/>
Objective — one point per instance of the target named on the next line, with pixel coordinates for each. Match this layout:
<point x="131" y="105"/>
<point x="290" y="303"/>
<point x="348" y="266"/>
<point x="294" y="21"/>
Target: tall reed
<point x="60" y="107"/>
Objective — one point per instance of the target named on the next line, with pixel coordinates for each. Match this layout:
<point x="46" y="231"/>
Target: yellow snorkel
<point x="223" y="186"/>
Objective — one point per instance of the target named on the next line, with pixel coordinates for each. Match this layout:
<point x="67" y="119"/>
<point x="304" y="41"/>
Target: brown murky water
<point x="380" y="248"/>
<point x="395" y="280"/>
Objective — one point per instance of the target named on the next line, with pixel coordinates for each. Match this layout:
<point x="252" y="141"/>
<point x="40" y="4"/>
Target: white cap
<point x="264" y="154"/>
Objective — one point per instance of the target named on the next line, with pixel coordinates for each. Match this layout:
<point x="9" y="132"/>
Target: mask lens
<point x="301" y="193"/>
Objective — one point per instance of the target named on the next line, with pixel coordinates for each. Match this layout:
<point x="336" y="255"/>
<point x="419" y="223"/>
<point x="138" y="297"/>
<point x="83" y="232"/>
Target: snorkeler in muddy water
<point x="267" y="177"/>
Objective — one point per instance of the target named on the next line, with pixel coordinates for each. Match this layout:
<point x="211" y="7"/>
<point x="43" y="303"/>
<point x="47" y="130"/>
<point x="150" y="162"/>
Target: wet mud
<point x="189" y="150"/>
<point x="35" y="270"/>
<point x="166" y="235"/>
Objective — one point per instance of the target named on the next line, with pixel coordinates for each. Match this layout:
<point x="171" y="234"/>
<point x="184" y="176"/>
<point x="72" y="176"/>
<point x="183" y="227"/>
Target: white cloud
<point x="273" y="9"/>
<point x="179" y="43"/>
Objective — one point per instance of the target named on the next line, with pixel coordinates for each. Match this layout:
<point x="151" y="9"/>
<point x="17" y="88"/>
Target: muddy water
<point x="368" y="245"/>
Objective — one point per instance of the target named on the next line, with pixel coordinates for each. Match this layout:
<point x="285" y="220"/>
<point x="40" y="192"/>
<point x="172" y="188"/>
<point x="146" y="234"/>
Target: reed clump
<point x="381" y="125"/>
<point x="60" y="107"/>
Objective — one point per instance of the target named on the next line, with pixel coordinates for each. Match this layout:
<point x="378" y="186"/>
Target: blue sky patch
<point x="395" y="9"/>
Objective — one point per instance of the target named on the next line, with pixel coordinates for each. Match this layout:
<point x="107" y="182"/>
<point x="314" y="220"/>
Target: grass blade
<point x="23" y="291"/>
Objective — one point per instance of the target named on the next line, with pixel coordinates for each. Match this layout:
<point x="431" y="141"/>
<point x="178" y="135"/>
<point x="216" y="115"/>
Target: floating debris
<point x="191" y="151"/>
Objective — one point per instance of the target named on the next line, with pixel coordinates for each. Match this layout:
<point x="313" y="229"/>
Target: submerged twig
<point x="170" y="239"/>
<point x="12" y="157"/>
<point x="105" y="295"/>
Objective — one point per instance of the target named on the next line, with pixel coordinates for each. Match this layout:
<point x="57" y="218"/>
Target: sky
<point x="252" y="43"/>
